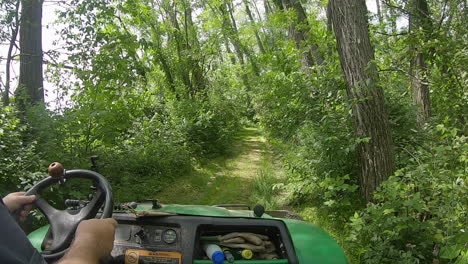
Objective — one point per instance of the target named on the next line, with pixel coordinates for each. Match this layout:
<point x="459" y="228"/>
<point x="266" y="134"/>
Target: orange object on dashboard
<point x="136" y="256"/>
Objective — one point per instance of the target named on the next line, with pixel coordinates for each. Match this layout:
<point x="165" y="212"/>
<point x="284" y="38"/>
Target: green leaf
<point x="388" y="211"/>
<point x="450" y="252"/>
<point x="463" y="259"/>
<point x="438" y="237"/>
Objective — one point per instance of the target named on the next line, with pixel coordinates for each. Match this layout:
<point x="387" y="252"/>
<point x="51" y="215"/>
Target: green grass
<point x="244" y="175"/>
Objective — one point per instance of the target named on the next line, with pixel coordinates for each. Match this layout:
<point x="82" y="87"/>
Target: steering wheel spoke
<point x="91" y="209"/>
<point x="45" y="207"/>
<point x="63" y="226"/>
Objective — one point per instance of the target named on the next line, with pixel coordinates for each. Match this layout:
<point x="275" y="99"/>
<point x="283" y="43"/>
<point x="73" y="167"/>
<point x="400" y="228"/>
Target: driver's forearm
<point x="77" y="260"/>
<point x="94" y="239"/>
<point x="79" y="253"/>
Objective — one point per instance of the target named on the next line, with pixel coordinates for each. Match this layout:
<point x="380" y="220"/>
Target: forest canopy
<point x="366" y="111"/>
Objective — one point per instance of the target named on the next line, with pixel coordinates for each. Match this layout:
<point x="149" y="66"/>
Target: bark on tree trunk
<point x="30" y="88"/>
<point x="379" y="12"/>
<point x="267" y="7"/>
<point x="14" y="35"/>
<point x="193" y="44"/>
<point x="162" y="59"/>
<point x="180" y="44"/>
<point x="299" y="32"/>
<point x="252" y="20"/>
<point x="228" y="50"/>
<point x="375" y="151"/>
<point x="419" y="19"/>
<point x="230" y="31"/>
<point x="390" y="16"/>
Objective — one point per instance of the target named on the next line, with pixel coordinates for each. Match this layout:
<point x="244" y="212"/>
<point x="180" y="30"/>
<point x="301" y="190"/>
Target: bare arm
<point x="94" y="239"/>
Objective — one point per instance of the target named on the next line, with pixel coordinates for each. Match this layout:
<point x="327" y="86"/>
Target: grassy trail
<point x="245" y="176"/>
<point x="233" y="178"/>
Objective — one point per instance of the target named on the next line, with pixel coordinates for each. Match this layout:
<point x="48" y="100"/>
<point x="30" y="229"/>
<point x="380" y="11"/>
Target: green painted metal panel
<point x="273" y="261"/>
<point x="37" y="236"/>
<point x="200" y="210"/>
<point x="313" y="245"/>
<point x="204" y="210"/>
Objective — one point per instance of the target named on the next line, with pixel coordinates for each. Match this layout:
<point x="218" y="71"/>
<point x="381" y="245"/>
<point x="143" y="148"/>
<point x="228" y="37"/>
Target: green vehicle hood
<point x="199" y="210"/>
<point x="311" y="243"/>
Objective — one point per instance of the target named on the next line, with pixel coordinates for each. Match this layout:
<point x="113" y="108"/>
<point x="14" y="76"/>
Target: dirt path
<point x="234" y="178"/>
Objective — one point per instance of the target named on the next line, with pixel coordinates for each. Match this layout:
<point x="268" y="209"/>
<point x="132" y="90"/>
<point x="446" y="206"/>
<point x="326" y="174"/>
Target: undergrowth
<point x="417" y="216"/>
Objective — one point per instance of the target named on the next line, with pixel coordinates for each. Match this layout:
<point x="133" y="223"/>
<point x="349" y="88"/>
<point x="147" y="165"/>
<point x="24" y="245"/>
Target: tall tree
<point x="30" y="86"/>
<point x="299" y="31"/>
<point x="419" y="22"/>
<point x="267" y="7"/>
<point x="379" y="11"/>
<point x="252" y="20"/>
<point x="375" y="150"/>
<point x="390" y="14"/>
<point x="13" y="28"/>
<point x="225" y="10"/>
<point x="230" y="29"/>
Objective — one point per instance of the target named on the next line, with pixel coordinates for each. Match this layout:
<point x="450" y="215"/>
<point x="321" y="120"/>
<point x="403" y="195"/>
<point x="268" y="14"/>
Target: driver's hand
<point x="17" y="200"/>
<point x="94" y="239"/>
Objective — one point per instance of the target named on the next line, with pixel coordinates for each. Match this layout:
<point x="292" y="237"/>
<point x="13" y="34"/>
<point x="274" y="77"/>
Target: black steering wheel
<point x="63" y="223"/>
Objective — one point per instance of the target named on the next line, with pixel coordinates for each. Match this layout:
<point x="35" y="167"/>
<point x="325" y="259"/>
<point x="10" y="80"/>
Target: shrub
<point x="18" y="159"/>
<point x="141" y="163"/>
<point x="209" y="121"/>
<point x="419" y="214"/>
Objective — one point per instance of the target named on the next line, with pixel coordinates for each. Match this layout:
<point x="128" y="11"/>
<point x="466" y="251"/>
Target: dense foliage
<point x="418" y="214"/>
<point x="18" y="159"/>
<point x="156" y="87"/>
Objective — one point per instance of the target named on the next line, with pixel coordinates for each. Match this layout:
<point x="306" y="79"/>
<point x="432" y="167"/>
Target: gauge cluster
<point x="151" y="237"/>
<point x="148" y="243"/>
<point x="157" y="236"/>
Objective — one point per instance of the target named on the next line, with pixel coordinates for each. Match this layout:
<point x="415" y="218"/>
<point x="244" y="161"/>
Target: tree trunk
<point x="229" y="52"/>
<point x="252" y="20"/>
<point x="257" y="11"/>
<point x="197" y="76"/>
<point x="299" y="32"/>
<point x="180" y="44"/>
<point x="161" y="59"/>
<point x="14" y="35"/>
<point x="390" y="15"/>
<point x="379" y="11"/>
<point x="30" y="88"/>
<point x="375" y="150"/>
<point x="419" y="20"/>
<point x="267" y="7"/>
<point x="243" y="48"/>
<point x="230" y="31"/>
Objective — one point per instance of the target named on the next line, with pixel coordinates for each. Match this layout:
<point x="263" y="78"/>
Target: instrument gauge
<point x="169" y="236"/>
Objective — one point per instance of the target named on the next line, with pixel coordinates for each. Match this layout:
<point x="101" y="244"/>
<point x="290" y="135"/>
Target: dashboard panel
<point x="176" y="239"/>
